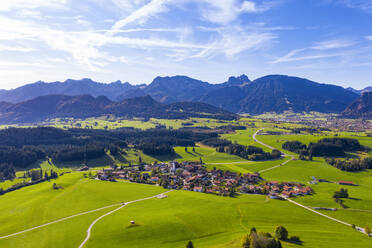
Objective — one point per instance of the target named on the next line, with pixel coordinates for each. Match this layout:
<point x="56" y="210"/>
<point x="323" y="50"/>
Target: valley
<point x="185" y="215"/>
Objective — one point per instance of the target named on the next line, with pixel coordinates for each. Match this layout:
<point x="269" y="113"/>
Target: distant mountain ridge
<point x="361" y="108"/>
<point x="277" y="93"/>
<point x="69" y="87"/>
<point x="273" y="93"/>
<point x="83" y="106"/>
<point x="366" y="89"/>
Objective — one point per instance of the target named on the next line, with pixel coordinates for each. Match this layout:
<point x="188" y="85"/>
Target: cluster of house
<point x="194" y="176"/>
<point x="286" y="189"/>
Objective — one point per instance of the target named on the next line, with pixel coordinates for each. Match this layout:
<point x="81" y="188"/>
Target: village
<point x="193" y="176"/>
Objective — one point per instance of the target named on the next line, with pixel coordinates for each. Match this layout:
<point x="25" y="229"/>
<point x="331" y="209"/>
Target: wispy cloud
<point x="332" y="44"/>
<point x="327" y="49"/>
<point x="15" y="48"/>
<point x="216" y="11"/>
<point x="365" y="5"/>
<point x="7" y="5"/>
<point x="140" y="15"/>
<point x="93" y="47"/>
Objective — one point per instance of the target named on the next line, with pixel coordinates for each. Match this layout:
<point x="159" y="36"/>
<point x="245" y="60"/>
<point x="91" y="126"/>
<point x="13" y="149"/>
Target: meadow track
<point x="79" y="214"/>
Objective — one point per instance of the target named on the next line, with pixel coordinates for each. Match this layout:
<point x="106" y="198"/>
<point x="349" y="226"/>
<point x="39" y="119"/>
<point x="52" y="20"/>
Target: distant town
<point x="193" y="176"/>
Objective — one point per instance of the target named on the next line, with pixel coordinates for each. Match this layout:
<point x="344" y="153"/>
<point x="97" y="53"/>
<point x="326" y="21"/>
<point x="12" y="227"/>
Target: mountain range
<point x="273" y="93"/>
<point x="83" y="106"/>
<point x="361" y="108"/>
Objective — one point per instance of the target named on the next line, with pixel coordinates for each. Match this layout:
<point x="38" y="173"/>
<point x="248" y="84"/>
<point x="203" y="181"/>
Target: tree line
<point x="22" y="147"/>
<point x="332" y="147"/>
<point x="351" y="165"/>
<point x="247" y="152"/>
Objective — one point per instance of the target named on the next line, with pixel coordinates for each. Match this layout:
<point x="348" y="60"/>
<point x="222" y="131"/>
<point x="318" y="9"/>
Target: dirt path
<point x="113" y="211"/>
<point x="76" y="215"/>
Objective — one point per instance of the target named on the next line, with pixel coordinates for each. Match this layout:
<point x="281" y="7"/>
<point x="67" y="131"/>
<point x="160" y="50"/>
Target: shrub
<point x="281" y="233"/>
<point x="295" y="239"/>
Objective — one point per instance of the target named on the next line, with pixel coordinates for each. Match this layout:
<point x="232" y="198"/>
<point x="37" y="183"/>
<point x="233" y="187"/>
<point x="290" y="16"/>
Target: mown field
<point x="207" y="220"/>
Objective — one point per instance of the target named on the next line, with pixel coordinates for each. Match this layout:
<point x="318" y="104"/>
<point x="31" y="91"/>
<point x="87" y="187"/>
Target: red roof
<point x="345" y="182"/>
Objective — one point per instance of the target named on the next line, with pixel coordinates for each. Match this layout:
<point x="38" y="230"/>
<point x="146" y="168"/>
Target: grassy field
<point x="207" y="220"/>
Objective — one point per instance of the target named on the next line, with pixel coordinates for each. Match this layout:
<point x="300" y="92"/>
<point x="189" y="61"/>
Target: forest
<point x="21" y="147"/>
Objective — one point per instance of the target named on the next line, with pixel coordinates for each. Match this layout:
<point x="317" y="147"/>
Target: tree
<point x="246" y="241"/>
<point x="190" y="245"/>
<point x="311" y="155"/>
<point x="35" y="175"/>
<point x="193" y="149"/>
<point x="139" y="160"/>
<point x="200" y="160"/>
<point x="281" y="233"/>
<point x="341" y="194"/>
<point x="185" y="148"/>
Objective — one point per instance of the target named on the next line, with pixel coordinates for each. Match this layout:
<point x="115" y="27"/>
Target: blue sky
<point x="328" y="41"/>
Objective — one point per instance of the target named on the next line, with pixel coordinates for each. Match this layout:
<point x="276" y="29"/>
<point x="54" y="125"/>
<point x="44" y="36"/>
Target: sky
<point x="327" y="41"/>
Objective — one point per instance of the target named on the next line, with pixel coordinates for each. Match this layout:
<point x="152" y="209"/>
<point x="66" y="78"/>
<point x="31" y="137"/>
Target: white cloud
<point x="364" y="5"/>
<point x="81" y="21"/>
<point x="308" y="52"/>
<point x="369" y="37"/>
<point x="90" y="47"/>
<point x="142" y="14"/>
<point x="7" y="5"/>
<point x="15" y="48"/>
<point x="226" y="11"/>
<point x="332" y="44"/>
<point x="216" y="11"/>
<point x="306" y="57"/>
<point x="230" y="41"/>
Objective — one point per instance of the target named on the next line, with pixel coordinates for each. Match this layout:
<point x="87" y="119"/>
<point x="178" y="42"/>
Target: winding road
<point x="272" y="148"/>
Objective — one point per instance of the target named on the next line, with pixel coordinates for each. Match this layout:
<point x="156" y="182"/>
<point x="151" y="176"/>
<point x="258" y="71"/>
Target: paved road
<point x="272" y="148"/>
<point x="326" y="216"/>
<point x="113" y="211"/>
<point x="73" y="216"/>
<point x="291" y="201"/>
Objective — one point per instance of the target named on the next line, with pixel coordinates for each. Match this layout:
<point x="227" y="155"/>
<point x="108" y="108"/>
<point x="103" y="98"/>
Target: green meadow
<point x="207" y="220"/>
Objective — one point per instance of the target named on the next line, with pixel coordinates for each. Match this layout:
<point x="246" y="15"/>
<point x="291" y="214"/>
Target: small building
<point x="84" y="168"/>
<point x="198" y="189"/>
<point x="345" y="183"/>
<point x="274" y="196"/>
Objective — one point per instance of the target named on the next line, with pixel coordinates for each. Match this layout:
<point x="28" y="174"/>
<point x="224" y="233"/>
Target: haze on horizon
<point x="137" y="40"/>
